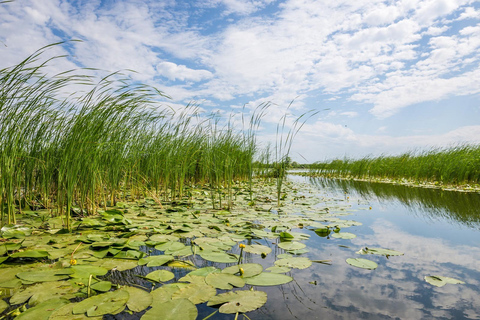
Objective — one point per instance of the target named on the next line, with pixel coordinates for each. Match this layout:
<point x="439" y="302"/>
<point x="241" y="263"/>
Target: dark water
<point x="439" y="232"/>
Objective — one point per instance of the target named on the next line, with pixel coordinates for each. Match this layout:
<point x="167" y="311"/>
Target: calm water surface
<point x="439" y="232"/>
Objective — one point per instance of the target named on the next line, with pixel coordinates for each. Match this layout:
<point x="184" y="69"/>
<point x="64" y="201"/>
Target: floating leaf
<point x="34" y="254"/>
<point x="65" y="313"/>
<point x="160" y="276"/>
<point x="380" y="251"/>
<point x="293" y="262"/>
<point x="344" y="235"/>
<point x="257" y="249"/>
<point x="204" y="271"/>
<point x="268" y="279"/>
<point x="84" y="271"/>
<point x="102" y="286"/>
<point x="239" y="301"/>
<point x="362" y="263"/>
<point x="44" y="276"/>
<point x="293" y="245"/>
<point x="276" y="269"/>
<point x="3" y="305"/>
<point x="221" y="257"/>
<point x="224" y="281"/>
<point x="44" y="291"/>
<point x="196" y="293"/>
<point x="43" y="310"/>
<point x="249" y="269"/>
<point x="440" y="281"/>
<point x="172" y="310"/>
<point x="112" y="302"/>
<point x="138" y="300"/>
<point x="155" y="261"/>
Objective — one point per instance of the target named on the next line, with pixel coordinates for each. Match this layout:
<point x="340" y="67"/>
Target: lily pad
<point x="224" y="281"/>
<point x="65" y="313"/>
<point x="44" y="276"/>
<point x="156" y="261"/>
<point x="249" y="269"/>
<point x="362" y="263"/>
<point x="344" y="235"/>
<point x="221" y="257"/>
<point x="84" y="271"/>
<point x="291" y="245"/>
<point x="440" y="281"/>
<point x="34" y="254"/>
<point x="196" y="293"/>
<point x="239" y="301"/>
<point x="268" y="279"/>
<point x="172" y="310"/>
<point x="293" y="262"/>
<point x="41" y="292"/>
<point x="257" y="249"/>
<point x="43" y="310"/>
<point x="160" y="276"/>
<point x="3" y="305"/>
<point x="138" y="300"/>
<point x="204" y="271"/>
<point x="112" y="302"/>
<point x="276" y="269"/>
<point x="380" y="251"/>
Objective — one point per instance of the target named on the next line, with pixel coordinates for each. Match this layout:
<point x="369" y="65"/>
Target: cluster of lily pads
<point x="48" y="274"/>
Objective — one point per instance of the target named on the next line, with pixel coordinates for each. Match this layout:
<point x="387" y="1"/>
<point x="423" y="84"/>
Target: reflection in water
<point x="462" y="207"/>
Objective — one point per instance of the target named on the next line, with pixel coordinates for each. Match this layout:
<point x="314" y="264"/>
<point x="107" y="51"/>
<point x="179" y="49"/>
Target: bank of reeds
<point x="454" y="165"/>
<point x="115" y="141"/>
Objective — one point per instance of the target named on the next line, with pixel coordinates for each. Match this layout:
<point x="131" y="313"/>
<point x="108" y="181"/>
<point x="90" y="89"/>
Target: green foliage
<point x="454" y="165"/>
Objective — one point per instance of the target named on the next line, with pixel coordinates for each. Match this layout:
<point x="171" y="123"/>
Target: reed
<point x="115" y="141"/>
<point x="453" y="165"/>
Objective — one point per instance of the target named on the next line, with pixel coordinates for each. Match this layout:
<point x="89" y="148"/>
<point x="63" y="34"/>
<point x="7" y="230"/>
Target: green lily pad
<point x="112" y="302"/>
<point x="65" y="313"/>
<point x="102" y="286"/>
<point x="160" y="276"/>
<point x="3" y="305"/>
<point x="84" y="271"/>
<point x="44" y="276"/>
<point x="34" y="254"/>
<point x="268" y="279"/>
<point x="116" y="264"/>
<point x="257" y="249"/>
<point x="43" y="310"/>
<point x="291" y="245"/>
<point x="440" y="281"/>
<point x="276" y="269"/>
<point x="362" y="263"/>
<point x="293" y="262"/>
<point x="171" y="246"/>
<point x="41" y="292"/>
<point x="165" y="292"/>
<point x="172" y="310"/>
<point x="380" y="251"/>
<point x="344" y="235"/>
<point x="221" y="257"/>
<point x="205" y="271"/>
<point x="224" y="281"/>
<point x="249" y="269"/>
<point x="138" y="300"/>
<point x="156" y="261"/>
<point x="196" y="293"/>
<point x="239" y="301"/>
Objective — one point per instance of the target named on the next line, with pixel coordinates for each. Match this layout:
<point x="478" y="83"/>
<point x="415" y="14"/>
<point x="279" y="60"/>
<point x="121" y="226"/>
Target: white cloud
<point x="173" y="71"/>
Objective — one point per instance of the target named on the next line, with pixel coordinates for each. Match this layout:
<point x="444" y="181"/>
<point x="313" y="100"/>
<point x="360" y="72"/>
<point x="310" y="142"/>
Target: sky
<point x="384" y="77"/>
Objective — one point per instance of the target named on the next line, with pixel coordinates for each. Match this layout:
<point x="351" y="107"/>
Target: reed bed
<point x="114" y="141"/>
<point x="453" y="165"/>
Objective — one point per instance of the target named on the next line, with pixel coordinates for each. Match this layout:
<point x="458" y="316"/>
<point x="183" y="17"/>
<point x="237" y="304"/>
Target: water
<point x="437" y="230"/>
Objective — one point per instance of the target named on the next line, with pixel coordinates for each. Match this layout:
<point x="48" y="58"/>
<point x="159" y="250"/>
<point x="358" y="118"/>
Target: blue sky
<point x="386" y="76"/>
